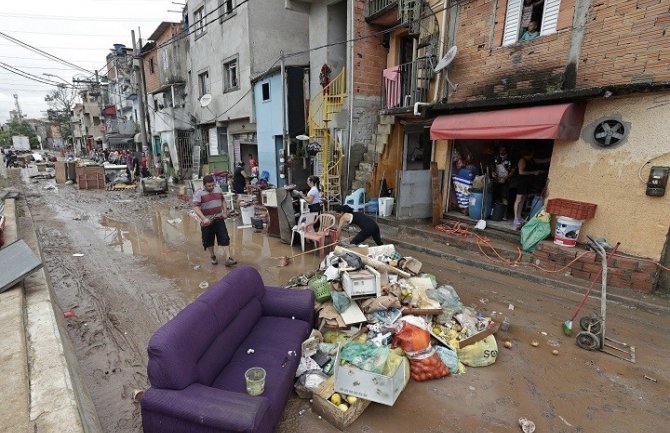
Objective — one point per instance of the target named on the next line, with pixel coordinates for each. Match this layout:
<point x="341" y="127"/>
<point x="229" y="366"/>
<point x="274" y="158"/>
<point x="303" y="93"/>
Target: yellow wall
<point x="609" y="177"/>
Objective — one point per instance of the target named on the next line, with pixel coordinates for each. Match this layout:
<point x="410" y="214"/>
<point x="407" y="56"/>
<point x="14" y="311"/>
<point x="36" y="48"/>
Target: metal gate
<point x="185" y="151"/>
<point x="414" y="196"/>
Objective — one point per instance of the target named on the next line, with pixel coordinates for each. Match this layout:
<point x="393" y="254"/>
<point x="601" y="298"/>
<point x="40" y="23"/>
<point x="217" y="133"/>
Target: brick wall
<point x="624" y="272"/>
<point x="152" y="79"/>
<point x="625" y="41"/>
<point x="369" y="54"/>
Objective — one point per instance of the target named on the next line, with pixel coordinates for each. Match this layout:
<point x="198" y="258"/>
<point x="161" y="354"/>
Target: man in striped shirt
<point x="210" y="206"/>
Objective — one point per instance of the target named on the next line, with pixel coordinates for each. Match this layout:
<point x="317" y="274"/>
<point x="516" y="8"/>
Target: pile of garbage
<point x="381" y="321"/>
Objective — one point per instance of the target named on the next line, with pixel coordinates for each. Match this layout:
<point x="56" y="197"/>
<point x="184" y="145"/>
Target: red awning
<point x="561" y="121"/>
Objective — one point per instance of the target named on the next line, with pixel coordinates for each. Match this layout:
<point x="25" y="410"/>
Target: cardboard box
<point x="375" y="387"/>
<point x="363" y="283"/>
<point x="330" y="412"/>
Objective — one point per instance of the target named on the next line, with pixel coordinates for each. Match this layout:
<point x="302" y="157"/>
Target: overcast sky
<point x="79" y="31"/>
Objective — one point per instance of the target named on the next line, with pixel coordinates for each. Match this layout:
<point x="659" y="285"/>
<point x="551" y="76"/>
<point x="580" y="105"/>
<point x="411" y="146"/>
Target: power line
<point x="46" y="67"/>
<point x="203" y="23"/>
<point x="30" y="76"/>
<point x="34" y="58"/>
<point x="100" y="35"/>
<point x="41" y="52"/>
<point x="72" y="18"/>
<point x="63" y="48"/>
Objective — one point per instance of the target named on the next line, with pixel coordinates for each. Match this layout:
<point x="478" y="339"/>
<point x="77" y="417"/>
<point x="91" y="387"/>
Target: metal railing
<point x="407" y="84"/>
<point x="376" y="6"/>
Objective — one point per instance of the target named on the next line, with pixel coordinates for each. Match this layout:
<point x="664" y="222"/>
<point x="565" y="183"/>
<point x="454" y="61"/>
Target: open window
<point x="543" y="14"/>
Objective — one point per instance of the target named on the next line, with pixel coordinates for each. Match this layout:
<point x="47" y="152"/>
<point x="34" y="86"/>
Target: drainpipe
<point x="287" y="169"/>
<point x="420" y="104"/>
<point x="442" y="51"/>
<point x="350" y="91"/>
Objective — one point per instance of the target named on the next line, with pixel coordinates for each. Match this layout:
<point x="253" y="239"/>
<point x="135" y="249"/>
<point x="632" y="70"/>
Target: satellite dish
<point x="205" y="100"/>
<point x="444" y="63"/>
<point x="302" y="137"/>
<point x="446" y="60"/>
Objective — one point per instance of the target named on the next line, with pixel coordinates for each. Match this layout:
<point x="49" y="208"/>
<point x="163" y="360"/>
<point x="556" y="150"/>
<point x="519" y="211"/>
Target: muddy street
<point x="139" y="261"/>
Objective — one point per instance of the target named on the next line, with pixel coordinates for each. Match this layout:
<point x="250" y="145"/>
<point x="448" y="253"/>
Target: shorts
<point x="216" y="230"/>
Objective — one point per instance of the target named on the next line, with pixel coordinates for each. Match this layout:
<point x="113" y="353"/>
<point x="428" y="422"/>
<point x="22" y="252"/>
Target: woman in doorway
<point x="527" y="172"/>
<point x="368" y="226"/>
<point x="239" y="179"/>
<point x="313" y="196"/>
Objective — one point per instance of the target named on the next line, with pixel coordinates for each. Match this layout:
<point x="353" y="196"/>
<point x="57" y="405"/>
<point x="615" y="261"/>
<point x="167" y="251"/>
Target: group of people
<point x="524" y="177"/>
<point x="211" y="208"/>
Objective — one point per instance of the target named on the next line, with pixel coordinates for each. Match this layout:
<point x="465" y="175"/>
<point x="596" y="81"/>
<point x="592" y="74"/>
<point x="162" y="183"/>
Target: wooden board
<point x="436" y="193"/>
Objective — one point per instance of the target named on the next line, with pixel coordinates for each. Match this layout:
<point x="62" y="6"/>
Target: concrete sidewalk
<point x="41" y="377"/>
<point x="419" y="235"/>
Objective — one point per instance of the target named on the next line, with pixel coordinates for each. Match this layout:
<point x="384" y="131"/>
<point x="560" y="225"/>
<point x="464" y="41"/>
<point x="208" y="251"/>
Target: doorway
<point x="414" y="183"/>
<point x="500" y="158"/>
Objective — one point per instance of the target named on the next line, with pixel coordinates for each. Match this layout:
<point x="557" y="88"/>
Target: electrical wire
<point x="41" y="52"/>
<point x="30" y="76"/>
<point x="73" y="18"/>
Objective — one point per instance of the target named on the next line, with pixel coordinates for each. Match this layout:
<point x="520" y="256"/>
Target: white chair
<point x="356" y="200"/>
<point x="304" y="206"/>
<point x="304" y="220"/>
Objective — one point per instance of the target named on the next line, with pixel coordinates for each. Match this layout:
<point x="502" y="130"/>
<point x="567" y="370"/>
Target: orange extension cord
<point x="462" y="230"/>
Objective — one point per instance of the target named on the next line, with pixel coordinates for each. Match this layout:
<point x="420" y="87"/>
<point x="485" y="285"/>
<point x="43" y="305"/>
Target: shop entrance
<point x="507" y="187"/>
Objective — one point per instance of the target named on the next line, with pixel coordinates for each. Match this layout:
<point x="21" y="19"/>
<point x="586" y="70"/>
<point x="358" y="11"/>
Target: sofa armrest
<point x="211" y="407"/>
<point x="281" y="302"/>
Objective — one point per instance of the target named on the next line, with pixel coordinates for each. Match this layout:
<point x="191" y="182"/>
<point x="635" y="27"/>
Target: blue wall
<point x="269" y="120"/>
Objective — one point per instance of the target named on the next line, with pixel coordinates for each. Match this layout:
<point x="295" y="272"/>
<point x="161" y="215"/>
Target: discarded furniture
<point x="198" y="359"/>
<point x="299" y="229"/>
<point x="326" y="222"/>
<point x="17" y="261"/>
<point x="356" y="200"/>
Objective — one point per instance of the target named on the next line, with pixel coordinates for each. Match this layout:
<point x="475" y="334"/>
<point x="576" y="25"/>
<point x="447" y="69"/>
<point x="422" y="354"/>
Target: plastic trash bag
<point x="365" y="356"/>
<point x="449" y="357"/>
<point x="535" y="230"/>
<point x="479" y="354"/>
<point x="448" y="299"/>
<point x="340" y="301"/>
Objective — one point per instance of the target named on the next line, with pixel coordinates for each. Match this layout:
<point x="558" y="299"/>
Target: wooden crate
<point x="61" y="172"/>
<point x="91" y="181"/>
<point x="330" y="412"/>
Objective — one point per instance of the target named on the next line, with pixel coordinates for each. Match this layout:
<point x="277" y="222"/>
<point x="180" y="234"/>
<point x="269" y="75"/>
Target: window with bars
<point x="199" y="21"/>
<point x="230" y="77"/>
<point x="526" y="20"/>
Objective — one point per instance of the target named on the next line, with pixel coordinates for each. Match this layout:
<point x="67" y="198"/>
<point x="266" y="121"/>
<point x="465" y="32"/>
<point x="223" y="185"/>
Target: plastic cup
<point x="255" y="379"/>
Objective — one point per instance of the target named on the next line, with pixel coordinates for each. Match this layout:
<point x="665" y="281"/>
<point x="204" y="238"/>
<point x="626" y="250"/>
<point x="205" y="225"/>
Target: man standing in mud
<point x="210" y="206"/>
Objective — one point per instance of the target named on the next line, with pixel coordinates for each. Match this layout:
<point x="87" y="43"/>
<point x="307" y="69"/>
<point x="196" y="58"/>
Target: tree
<point x="61" y="102"/>
<point x="18" y="127"/>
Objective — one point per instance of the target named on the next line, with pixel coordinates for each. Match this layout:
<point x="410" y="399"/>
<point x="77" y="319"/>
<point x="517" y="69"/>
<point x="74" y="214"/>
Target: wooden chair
<point x="326" y="222"/>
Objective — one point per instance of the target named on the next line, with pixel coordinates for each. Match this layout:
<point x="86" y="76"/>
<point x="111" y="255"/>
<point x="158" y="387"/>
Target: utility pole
<point x="287" y="166"/>
<point x="137" y="63"/>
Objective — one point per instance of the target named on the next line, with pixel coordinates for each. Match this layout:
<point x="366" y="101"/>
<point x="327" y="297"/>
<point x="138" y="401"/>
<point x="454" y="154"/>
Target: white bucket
<point x="567" y="231"/>
<point x="386" y="206"/>
<point x="247" y="213"/>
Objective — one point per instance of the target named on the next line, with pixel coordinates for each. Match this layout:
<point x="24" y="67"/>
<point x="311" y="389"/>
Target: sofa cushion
<point x="198" y="342"/>
<point x="272" y="338"/>
<point x="207" y="407"/>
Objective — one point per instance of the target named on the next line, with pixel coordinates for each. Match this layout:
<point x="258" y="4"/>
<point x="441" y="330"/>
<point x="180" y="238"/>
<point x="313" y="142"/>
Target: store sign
<point x="213" y="142"/>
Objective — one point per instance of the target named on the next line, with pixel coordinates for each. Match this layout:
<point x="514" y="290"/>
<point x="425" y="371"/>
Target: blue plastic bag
<point x="535" y="230"/>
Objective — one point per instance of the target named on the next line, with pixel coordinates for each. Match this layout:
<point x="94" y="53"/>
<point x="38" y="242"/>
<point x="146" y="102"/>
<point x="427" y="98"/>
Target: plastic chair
<point x="356" y="200"/>
<point x="326" y="222"/>
<point x="304" y="220"/>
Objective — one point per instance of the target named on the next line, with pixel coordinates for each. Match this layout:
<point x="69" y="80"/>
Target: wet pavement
<point x="142" y="262"/>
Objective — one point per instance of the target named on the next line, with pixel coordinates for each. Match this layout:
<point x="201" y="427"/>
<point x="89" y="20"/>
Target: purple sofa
<point x="197" y="360"/>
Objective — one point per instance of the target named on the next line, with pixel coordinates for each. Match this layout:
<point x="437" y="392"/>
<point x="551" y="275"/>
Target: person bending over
<point x="368" y="226"/>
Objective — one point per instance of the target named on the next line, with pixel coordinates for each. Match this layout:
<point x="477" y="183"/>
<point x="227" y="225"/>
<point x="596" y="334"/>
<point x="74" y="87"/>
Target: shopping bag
<point x="535" y="230"/>
<point x="479" y="354"/>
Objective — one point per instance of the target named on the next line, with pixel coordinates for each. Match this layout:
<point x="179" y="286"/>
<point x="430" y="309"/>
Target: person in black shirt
<point x="368" y="226"/>
<point x="239" y="178"/>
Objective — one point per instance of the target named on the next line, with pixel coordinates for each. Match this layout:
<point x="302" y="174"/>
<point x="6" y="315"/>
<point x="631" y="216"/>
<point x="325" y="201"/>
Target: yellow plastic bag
<point x="479" y="354"/>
